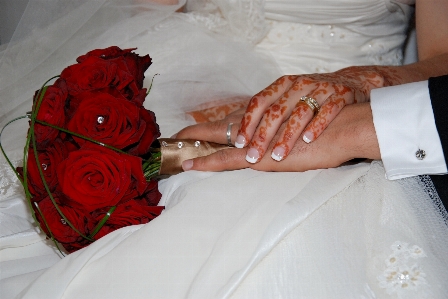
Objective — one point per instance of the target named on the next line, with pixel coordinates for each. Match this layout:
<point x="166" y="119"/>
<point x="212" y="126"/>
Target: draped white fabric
<point x="357" y="32"/>
<point x="339" y="233"/>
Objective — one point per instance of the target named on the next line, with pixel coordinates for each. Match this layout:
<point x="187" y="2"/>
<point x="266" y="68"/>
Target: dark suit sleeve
<point x="438" y="91"/>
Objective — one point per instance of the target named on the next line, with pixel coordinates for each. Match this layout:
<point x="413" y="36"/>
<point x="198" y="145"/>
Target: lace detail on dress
<point x="403" y="275"/>
<point x="427" y="184"/>
<point x="9" y="183"/>
<point x="243" y="19"/>
<point x="290" y="41"/>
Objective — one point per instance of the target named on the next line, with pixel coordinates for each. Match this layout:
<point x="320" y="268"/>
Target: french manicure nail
<point x="307" y="137"/>
<point x="187" y="165"/>
<point x="278" y="153"/>
<point x="252" y="155"/>
<point x="240" y="141"/>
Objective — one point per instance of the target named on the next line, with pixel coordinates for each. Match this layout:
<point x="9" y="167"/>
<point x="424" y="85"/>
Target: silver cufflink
<point x="420" y="154"/>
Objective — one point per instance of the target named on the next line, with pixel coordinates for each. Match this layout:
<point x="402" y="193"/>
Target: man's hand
<point x="350" y="135"/>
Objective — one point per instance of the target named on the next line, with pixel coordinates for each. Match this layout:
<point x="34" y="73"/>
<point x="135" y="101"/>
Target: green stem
<point x="3" y="151"/>
<point x="150" y="86"/>
<point x="48" y="228"/>
<point x="151" y="166"/>
<point x="36" y="156"/>
<point x="80" y="136"/>
<point x="102" y="222"/>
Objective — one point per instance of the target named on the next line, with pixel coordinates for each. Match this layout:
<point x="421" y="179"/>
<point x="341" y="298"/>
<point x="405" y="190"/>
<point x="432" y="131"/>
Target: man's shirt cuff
<point x="406" y="131"/>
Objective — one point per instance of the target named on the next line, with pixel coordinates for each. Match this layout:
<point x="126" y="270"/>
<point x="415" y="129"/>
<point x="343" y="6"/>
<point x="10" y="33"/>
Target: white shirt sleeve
<point x="406" y="130"/>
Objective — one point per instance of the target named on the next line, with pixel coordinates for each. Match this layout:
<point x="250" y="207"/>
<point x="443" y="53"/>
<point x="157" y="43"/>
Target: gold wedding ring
<point x="312" y="103"/>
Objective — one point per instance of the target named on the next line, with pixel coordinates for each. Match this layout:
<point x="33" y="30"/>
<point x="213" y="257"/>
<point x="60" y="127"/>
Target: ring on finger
<point x="228" y="134"/>
<point x="312" y="103"/>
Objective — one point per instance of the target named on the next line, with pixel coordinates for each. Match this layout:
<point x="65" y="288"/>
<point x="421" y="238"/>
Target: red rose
<point x="127" y="61"/>
<point x="60" y="229"/>
<point x="107" y="119"/>
<point x="128" y="213"/>
<point x="151" y="196"/>
<point x="107" y="53"/>
<point x="135" y="65"/>
<point x="139" y="99"/>
<point x="146" y="194"/>
<point x="112" y="121"/>
<point x="94" y="73"/>
<point x="150" y="134"/>
<point x="50" y="111"/>
<point x="50" y="158"/>
<point x="96" y="177"/>
<point x="128" y="64"/>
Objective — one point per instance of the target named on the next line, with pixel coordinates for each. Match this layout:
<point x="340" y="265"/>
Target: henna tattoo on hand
<point x="332" y="91"/>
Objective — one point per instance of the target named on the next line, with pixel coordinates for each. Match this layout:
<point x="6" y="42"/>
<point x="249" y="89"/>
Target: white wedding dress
<point x="336" y="233"/>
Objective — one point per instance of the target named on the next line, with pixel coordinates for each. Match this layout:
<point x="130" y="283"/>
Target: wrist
<point x="361" y="139"/>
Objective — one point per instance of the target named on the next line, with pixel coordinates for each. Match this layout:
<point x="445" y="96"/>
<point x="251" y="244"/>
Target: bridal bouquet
<point x="88" y="163"/>
<point x="92" y="150"/>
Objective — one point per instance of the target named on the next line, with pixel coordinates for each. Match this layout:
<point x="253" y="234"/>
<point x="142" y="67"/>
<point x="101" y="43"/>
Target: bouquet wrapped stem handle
<point x="175" y="151"/>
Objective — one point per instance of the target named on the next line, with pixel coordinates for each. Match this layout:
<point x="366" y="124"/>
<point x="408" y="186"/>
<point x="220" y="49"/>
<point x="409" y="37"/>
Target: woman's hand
<point x="279" y="111"/>
<point x="350" y="135"/>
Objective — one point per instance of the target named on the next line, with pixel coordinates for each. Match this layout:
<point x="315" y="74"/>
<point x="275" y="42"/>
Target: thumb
<point x="226" y="159"/>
